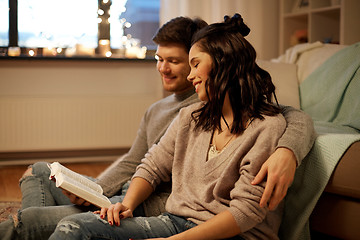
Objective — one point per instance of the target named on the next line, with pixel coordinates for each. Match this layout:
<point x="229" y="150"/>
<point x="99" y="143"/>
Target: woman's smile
<point x="196" y="85"/>
<point x="200" y="63"/>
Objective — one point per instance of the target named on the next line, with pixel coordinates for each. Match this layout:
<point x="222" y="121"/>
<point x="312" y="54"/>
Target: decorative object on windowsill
<point x="300" y="6"/>
<point x="31" y="52"/>
<point x="133" y="48"/>
<point x="80" y="51"/>
<point x="49" y="52"/>
<point x="135" y="52"/>
<point x="14" y="51"/>
<point x="104" y="48"/>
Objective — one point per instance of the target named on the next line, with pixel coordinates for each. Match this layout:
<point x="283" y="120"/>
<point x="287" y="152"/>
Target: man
<point x="43" y="205"/>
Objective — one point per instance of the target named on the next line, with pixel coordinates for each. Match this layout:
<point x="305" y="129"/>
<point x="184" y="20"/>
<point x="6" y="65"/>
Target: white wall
<point x="57" y="105"/>
<point x="262" y="16"/>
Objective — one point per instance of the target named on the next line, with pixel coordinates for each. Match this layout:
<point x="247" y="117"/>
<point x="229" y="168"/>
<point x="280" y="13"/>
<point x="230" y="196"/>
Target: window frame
<point x="13" y="23"/>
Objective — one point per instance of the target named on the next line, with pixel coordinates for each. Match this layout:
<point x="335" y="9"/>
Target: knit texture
<point x="202" y="188"/>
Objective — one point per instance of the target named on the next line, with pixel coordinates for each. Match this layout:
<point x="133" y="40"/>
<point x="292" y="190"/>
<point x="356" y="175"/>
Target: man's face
<point x="173" y="66"/>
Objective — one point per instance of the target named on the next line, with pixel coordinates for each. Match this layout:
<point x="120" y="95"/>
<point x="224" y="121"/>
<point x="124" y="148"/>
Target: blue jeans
<point x="91" y="226"/>
<point x="43" y="206"/>
<point x="38" y="191"/>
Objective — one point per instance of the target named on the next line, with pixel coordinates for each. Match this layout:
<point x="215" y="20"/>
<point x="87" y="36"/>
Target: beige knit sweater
<point x="203" y="188"/>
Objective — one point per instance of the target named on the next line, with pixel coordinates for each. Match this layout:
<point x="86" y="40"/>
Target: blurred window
<point x="57" y="23"/>
<point x="136" y="19"/>
<point x="66" y="23"/>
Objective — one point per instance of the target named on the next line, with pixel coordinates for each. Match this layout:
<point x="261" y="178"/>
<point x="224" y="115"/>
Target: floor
<point x="10" y="175"/>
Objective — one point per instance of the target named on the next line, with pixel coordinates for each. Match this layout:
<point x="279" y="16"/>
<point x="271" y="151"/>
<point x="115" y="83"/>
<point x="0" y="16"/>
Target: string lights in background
<point x="120" y="44"/>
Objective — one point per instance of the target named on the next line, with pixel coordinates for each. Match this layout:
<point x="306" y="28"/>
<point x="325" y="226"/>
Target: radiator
<point x="49" y="123"/>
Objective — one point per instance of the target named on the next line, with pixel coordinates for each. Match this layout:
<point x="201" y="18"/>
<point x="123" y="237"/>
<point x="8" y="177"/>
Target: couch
<point x="324" y="199"/>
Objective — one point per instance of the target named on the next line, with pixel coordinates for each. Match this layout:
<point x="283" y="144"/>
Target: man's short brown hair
<point x="179" y="30"/>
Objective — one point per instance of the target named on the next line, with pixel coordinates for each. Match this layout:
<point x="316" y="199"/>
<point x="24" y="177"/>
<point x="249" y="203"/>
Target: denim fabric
<point x="43" y="206"/>
<point x="36" y="222"/>
<point x="39" y="223"/>
<point x="39" y="191"/>
<point x="91" y="226"/>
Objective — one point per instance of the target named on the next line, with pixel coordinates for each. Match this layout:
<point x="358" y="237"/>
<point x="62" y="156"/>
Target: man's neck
<point x="184" y="94"/>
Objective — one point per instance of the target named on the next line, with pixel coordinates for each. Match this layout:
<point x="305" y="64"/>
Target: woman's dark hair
<point x="179" y="30"/>
<point x="234" y="71"/>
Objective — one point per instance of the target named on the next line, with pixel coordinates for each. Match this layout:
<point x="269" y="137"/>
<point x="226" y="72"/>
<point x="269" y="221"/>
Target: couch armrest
<point x="345" y="178"/>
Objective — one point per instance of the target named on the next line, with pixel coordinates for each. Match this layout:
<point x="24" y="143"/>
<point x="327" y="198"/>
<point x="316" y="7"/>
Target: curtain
<point x="262" y="16"/>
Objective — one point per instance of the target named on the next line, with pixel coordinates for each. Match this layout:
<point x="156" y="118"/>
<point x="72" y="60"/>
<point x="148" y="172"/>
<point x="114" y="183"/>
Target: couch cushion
<point x="284" y="78"/>
<point x="311" y="60"/>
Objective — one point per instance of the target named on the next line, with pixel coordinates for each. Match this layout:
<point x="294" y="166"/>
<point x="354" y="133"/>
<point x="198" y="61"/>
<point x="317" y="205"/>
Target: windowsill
<point x="76" y="58"/>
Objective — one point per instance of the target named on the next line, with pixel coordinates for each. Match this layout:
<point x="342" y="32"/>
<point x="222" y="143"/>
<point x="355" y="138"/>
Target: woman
<point x="212" y="151"/>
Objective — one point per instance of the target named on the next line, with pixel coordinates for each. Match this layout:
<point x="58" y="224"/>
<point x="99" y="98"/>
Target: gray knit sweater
<point x="202" y="188"/>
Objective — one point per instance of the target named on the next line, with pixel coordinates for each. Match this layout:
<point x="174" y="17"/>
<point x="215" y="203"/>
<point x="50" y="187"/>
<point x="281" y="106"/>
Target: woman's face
<point x="200" y="64"/>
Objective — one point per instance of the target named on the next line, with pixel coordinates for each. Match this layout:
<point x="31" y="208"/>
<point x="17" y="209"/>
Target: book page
<point x="82" y="191"/>
<point x="57" y="168"/>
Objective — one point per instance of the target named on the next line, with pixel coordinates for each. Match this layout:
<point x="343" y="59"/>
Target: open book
<point x="78" y="185"/>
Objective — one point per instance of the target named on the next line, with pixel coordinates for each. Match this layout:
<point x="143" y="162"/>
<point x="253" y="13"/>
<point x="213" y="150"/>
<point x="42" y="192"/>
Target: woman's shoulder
<point x="184" y="117"/>
<point x="191" y="108"/>
<point x="276" y="122"/>
<point x="278" y="118"/>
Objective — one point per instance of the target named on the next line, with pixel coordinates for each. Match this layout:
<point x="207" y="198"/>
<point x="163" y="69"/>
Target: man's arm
<point x="280" y="167"/>
<point x="299" y="135"/>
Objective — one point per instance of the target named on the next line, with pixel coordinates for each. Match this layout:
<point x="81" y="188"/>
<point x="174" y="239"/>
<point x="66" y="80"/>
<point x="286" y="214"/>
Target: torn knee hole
<point x="15" y="220"/>
<point x="28" y="173"/>
<point x="68" y="226"/>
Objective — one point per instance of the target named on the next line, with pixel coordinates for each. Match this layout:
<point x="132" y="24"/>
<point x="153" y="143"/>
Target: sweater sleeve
<point x="117" y="174"/>
<point x="299" y="135"/>
<point x="245" y="197"/>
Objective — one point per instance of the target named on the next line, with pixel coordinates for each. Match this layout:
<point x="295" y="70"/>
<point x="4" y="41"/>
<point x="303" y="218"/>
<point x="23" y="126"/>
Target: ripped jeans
<point x="38" y="191"/>
<point x="91" y="226"/>
<point x="43" y="206"/>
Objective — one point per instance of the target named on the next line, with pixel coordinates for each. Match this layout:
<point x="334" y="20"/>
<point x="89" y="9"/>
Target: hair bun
<point x="237" y="23"/>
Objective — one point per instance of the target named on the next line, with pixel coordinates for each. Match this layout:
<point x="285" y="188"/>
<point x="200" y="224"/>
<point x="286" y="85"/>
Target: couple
<point x="211" y="152"/>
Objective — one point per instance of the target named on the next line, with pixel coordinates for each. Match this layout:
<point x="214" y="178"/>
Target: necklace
<point x="214" y="151"/>
<point x="213" y="148"/>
